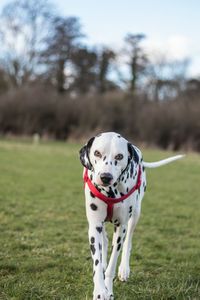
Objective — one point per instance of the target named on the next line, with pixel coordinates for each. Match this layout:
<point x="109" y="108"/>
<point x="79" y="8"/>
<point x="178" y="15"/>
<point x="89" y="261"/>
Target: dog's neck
<point x="125" y="182"/>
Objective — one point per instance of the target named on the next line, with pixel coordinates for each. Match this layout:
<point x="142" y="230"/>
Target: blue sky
<point x="172" y="27"/>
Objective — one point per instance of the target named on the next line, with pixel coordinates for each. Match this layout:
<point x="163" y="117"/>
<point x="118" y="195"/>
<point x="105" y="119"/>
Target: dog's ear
<point x="133" y="153"/>
<point x="84" y="154"/>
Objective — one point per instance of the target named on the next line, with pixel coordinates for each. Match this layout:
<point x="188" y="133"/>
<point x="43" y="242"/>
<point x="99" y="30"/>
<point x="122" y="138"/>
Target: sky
<point x="171" y="27"/>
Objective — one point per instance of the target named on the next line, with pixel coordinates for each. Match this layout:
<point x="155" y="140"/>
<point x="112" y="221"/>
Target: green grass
<point x="44" y="251"/>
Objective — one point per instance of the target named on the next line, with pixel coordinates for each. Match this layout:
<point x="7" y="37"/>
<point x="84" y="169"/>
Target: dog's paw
<point x="101" y="295"/>
<point x="123" y="272"/>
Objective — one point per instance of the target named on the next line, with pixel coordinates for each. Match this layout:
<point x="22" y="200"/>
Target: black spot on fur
<point x="118" y="247"/>
<point x="92" y="195"/>
<point x="115" y="191"/>
<point x="96" y="262"/>
<point x="106" y="163"/>
<point x="121" y="194"/>
<point x="143" y="168"/>
<point x="118" y="240"/>
<point x="93" y="206"/>
<point x="104" y="158"/>
<point x="115" y="228"/>
<point x="127" y="176"/>
<point x="111" y="162"/>
<point x="100" y="247"/>
<point x="115" y="162"/>
<point x="124" y="230"/>
<point x="96" y="186"/>
<point x="91" y="177"/>
<point x="115" y="184"/>
<point x="145" y="188"/>
<point x="127" y="189"/>
<point x="130" y="209"/>
<point x="99" y="229"/>
<point x="111" y="193"/>
<point x="92" y="240"/>
<point x="93" y="250"/>
<point x="119" y="136"/>
<point x="98" y="297"/>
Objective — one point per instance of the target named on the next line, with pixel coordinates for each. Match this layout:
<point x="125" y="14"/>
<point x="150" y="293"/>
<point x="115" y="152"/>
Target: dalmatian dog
<point x="115" y="183"/>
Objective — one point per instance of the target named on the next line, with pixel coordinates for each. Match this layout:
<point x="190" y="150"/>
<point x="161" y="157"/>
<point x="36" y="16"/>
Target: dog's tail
<point x="162" y="162"/>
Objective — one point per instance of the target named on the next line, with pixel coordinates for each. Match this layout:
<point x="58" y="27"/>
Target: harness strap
<point x="109" y="200"/>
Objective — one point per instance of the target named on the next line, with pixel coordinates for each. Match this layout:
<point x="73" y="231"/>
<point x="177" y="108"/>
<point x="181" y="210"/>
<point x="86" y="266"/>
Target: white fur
<point x="162" y="162"/>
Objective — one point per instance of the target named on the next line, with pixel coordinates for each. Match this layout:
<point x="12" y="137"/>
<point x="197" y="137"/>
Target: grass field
<point x="44" y="251"/>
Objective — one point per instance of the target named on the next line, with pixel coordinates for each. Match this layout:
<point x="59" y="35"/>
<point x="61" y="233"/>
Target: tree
<point x="23" y="25"/>
<point x="137" y="59"/>
<point x="166" y="78"/>
<point x="105" y="58"/>
<point x="62" y="41"/>
<point x="3" y="81"/>
<point x="85" y="66"/>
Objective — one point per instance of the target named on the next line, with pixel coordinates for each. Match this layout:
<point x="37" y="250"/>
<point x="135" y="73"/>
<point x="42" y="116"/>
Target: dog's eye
<point x="119" y="156"/>
<point x="97" y="154"/>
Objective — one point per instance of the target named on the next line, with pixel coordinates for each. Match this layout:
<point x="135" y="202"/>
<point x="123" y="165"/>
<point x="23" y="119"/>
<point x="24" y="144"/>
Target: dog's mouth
<point x="109" y="184"/>
<point x="105" y="184"/>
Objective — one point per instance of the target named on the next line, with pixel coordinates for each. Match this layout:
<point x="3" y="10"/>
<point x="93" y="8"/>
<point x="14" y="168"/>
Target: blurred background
<point x="70" y="69"/>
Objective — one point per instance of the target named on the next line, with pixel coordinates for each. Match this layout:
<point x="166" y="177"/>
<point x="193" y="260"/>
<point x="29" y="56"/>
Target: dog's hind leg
<point x="124" y="268"/>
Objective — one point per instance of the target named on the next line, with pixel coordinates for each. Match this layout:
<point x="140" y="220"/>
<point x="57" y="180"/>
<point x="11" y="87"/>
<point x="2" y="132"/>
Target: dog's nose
<point x="106" y="178"/>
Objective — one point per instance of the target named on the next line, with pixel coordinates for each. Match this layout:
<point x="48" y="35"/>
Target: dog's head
<point x="107" y="155"/>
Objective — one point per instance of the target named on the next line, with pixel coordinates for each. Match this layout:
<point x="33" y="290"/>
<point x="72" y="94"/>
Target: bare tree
<point x="23" y="25"/>
<point x="137" y="59"/>
<point x="62" y="41"/>
<point x="166" y="78"/>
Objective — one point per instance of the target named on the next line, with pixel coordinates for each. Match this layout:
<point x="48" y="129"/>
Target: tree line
<point x="89" y="88"/>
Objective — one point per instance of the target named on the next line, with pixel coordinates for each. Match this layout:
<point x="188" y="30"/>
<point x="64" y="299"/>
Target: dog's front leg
<point x="96" y="239"/>
<point x="104" y="249"/>
<point x="117" y="243"/>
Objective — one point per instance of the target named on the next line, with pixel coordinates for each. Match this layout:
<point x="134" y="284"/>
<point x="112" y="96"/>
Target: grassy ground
<point x="44" y="251"/>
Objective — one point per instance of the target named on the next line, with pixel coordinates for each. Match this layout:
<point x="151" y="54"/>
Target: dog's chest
<point x="122" y="211"/>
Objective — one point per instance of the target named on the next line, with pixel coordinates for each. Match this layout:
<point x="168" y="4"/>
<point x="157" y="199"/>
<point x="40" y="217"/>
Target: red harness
<point x="108" y="200"/>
